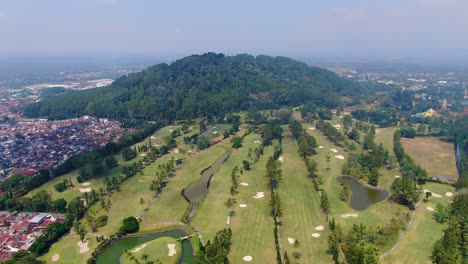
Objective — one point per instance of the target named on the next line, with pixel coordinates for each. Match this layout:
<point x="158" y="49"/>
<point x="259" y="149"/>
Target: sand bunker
<point x="86" y="184"/>
<point x="55" y="257"/>
<point x="397" y="176"/>
<point x="176" y="150"/>
<point x="259" y="195"/>
<point x="349" y="215"/>
<point x="291" y="240"/>
<point x="436" y="195"/>
<point x="83" y="246"/>
<point x="242" y="205"/>
<point x="143" y="154"/>
<point x="281" y="159"/>
<point x="377" y="131"/>
<point x="171" y="130"/>
<point x="334" y="150"/>
<point x="244" y="184"/>
<point x="247" y="258"/>
<point x="85" y="190"/>
<point x="215" y="132"/>
<point x="337" y="126"/>
<point x="139" y="248"/>
<point x="172" y="250"/>
<point x="319" y="228"/>
<point x="430" y="208"/>
<point x="257" y="141"/>
<point x="311" y="128"/>
<point x="315" y="235"/>
<point x="321" y="147"/>
<point x="339" y="157"/>
<point x="449" y="194"/>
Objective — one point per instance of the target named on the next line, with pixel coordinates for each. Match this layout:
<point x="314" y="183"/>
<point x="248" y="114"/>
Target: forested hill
<point x="203" y="85"/>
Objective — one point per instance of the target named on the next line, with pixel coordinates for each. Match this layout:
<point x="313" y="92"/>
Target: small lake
<point x="197" y="190"/>
<point x="113" y="252"/>
<point x="362" y="196"/>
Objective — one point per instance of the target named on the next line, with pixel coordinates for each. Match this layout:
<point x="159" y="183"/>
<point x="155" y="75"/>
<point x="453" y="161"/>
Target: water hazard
<point x="363" y="196"/>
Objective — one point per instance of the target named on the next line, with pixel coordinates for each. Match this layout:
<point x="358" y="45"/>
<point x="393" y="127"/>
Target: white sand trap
<point x="257" y="141"/>
<point x="176" y="150"/>
<point x="244" y="184"/>
<point x="172" y="250"/>
<point x="152" y="137"/>
<point x="337" y="126"/>
<point x="83" y="246"/>
<point x="259" y="195"/>
<point x="143" y="154"/>
<point x="247" y="258"/>
<point x="349" y="215"/>
<point x="312" y="128"/>
<point x="86" y="184"/>
<point x="334" y="150"/>
<point x="215" y="132"/>
<point x="315" y="235"/>
<point x="339" y="157"/>
<point x="242" y="205"/>
<point x="291" y="240"/>
<point x="321" y="147"/>
<point x="436" y="195"/>
<point x="85" y="190"/>
<point x="430" y="208"/>
<point x="171" y="130"/>
<point x="449" y="194"/>
<point x="397" y="176"/>
<point x="55" y="257"/>
<point x="139" y="248"/>
<point x="281" y="159"/>
<point x="319" y="228"/>
<point x="377" y="131"/>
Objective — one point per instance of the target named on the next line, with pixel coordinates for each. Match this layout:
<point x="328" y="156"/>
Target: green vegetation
<point x="155" y="250"/>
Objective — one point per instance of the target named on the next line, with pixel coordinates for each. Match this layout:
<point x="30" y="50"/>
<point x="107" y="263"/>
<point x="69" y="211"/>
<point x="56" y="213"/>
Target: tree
<point x="129" y="225"/>
<point x="203" y="142"/>
<point x="328" y="159"/>
<point x="236" y="142"/>
<point x="374" y="177"/>
<point x="441" y="214"/>
<point x="59" y="205"/>
<point x="128" y="154"/>
<point x="246" y="164"/>
<point x="111" y="162"/>
<point x="283" y="115"/>
<point x="324" y="203"/>
<point x="347" y="123"/>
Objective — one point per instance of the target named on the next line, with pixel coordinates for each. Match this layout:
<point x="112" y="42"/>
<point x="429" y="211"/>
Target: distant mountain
<point x="203" y="85"/>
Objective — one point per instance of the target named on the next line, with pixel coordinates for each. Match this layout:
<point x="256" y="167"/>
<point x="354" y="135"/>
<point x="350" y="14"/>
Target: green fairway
<point x="416" y="244"/>
<point x="301" y="208"/>
<point x="68" y="251"/>
<point x="154" y="250"/>
<point x="252" y="227"/>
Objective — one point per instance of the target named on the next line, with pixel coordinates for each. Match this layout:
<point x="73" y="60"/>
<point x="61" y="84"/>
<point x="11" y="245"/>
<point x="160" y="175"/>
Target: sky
<point x="387" y="29"/>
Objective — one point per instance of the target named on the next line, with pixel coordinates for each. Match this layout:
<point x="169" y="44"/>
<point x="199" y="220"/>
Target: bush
<point x="101" y="221"/>
<point x="130" y="225"/>
<point x="60" y="187"/>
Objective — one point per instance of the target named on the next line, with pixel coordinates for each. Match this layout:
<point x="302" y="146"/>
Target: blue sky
<point x="362" y="28"/>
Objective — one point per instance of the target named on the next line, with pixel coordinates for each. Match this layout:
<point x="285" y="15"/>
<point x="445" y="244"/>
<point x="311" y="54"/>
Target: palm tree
<point x="145" y="257"/>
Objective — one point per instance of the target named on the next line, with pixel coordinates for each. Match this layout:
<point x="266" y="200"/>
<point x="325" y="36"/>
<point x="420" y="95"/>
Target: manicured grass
<point x="211" y="215"/>
<point x="156" y="249"/>
<point x="171" y="205"/>
<point x="376" y="214"/>
<point x="385" y="136"/>
<point x="436" y="156"/>
<point x="301" y="208"/>
<point x="416" y="244"/>
<point x="69" y="251"/>
<point x="252" y="227"/>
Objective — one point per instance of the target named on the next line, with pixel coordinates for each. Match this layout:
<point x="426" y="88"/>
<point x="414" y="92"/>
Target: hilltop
<point x="202" y="86"/>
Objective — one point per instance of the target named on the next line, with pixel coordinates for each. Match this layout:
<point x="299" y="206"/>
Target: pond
<point x="113" y="252"/>
<point x="362" y="196"/>
<point x="197" y="190"/>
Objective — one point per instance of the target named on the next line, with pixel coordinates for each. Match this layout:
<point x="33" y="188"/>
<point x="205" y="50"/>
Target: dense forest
<point x="208" y="85"/>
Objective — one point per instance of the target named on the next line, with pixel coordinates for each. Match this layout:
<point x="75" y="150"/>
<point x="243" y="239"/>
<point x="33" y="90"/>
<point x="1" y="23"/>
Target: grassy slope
<point x="301" y="207"/>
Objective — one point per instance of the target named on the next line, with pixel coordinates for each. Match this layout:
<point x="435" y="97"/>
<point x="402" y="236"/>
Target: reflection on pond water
<point x="362" y="196"/>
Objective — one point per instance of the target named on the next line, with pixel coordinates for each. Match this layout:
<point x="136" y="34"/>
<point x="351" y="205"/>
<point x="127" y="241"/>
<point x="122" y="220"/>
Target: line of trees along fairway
<point x="202" y="86"/>
<point x="216" y="252"/>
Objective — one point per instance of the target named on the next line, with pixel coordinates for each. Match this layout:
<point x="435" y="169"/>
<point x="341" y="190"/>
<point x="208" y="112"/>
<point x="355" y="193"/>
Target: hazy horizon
<point x="411" y="30"/>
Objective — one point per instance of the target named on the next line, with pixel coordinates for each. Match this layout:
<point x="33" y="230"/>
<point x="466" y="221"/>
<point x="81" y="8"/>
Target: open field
<point x="436" y="156"/>
<point x="301" y="208"/>
<point x="385" y="136"/>
<point x="416" y="244"/>
<point x="156" y="249"/>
